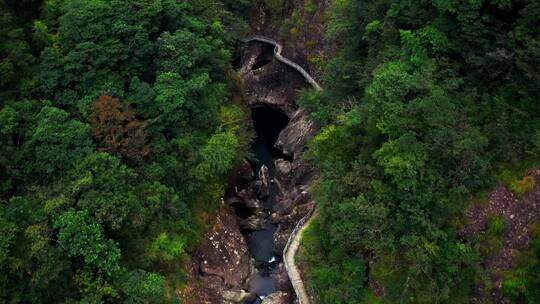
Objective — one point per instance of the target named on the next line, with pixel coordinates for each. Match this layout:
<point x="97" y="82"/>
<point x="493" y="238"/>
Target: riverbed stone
<point x="283" y="169"/>
<point x="263" y="183"/>
<point x="238" y="297"/>
<point x="249" y="198"/>
<point x="282" y="278"/>
<point x="277" y="298"/>
<point x="253" y="222"/>
<point x="281" y="236"/>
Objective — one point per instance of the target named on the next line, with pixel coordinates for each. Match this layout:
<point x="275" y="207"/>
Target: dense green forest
<point x="118" y="122"/>
<point x="424" y="101"/>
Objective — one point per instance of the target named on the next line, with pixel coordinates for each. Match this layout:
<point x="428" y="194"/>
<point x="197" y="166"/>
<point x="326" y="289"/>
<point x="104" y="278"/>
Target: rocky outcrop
<point x="277" y="53"/>
<point x="269" y="85"/>
<point x="277" y="298"/>
<point x="253" y="222"/>
<point x="263" y="184"/>
<point x="224" y="262"/>
<point x="238" y="297"/>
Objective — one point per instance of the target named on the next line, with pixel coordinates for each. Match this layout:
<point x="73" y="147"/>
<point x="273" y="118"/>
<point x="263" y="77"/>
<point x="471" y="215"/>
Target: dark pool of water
<point x="268" y="123"/>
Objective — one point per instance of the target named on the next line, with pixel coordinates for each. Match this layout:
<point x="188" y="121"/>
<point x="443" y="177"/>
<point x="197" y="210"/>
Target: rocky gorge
<point x="240" y="258"/>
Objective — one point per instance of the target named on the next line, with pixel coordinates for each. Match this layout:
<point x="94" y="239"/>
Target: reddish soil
<point x="519" y="214"/>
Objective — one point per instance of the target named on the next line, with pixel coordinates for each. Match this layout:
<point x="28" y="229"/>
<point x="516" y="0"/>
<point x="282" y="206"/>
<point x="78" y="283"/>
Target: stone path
<point x="277" y="53"/>
<point x="289" y="254"/>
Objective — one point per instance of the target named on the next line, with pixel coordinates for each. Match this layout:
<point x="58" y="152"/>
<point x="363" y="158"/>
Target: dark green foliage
<point x="80" y="225"/>
<point x="421" y="101"/>
<point x="336" y="273"/>
<point x="57" y="143"/>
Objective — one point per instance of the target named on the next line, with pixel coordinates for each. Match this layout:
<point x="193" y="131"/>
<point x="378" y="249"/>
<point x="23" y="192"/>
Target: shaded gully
<point x="257" y="198"/>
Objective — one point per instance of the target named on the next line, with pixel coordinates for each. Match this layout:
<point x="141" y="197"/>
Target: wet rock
<point x="287" y="215"/>
<point x="263" y="183"/>
<point x="224" y="252"/>
<point x="249" y="198"/>
<point x="252" y="223"/>
<point x="283" y="169"/>
<point x="277" y="298"/>
<point x="238" y="296"/>
<point x="280" y="217"/>
<point x="281" y="236"/>
<point x="245" y="172"/>
<point x="264" y="86"/>
<point x="282" y="279"/>
<point x="231" y="200"/>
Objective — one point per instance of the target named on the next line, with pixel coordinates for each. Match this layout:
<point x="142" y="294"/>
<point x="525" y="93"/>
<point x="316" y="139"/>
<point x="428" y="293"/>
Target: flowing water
<point x="268" y="123"/>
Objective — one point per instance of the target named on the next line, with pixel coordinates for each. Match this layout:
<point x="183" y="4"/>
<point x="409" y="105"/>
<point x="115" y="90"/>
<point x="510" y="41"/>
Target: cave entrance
<point x="264" y="58"/>
<point x="268" y="123"/>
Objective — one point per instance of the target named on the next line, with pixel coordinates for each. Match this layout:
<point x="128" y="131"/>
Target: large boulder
<point x="238" y="296"/>
<point x="263" y="183"/>
<point x="253" y="222"/>
<point x="277" y="298"/>
<point x="249" y="198"/>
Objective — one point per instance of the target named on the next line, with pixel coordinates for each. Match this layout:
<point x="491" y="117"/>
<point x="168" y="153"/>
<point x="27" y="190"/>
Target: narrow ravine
<point x="267" y="123"/>
<point x="241" y="258"/>
<point x="294" y="239"/>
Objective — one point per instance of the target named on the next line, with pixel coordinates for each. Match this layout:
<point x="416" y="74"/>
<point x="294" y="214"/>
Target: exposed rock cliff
<point x="224" y="262"/>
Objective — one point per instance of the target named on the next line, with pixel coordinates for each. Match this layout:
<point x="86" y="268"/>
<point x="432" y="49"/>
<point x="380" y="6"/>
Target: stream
<point x="268" y="123"/>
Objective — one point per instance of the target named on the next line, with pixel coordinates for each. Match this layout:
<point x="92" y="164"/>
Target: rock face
<point x="224" y="260"/>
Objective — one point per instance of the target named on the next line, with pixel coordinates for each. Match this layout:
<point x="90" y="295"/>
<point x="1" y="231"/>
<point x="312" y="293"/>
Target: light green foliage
<point x="496" y="225"/>
<point x="521" y="186"/>
<point x="310" y="7"/>
<point x="338" y="274"/>
<point x="217" y="156"/>
<point x="81" y="237"/>
<point x="492" y="242"/>
<point x="143" y="287"/>
<point x="165" y="249"/>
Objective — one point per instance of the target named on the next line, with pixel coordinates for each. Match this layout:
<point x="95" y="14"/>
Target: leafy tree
<point x="81" y="237"/>
<point x="118" y="129"/>
<point x="57" y="143"/>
